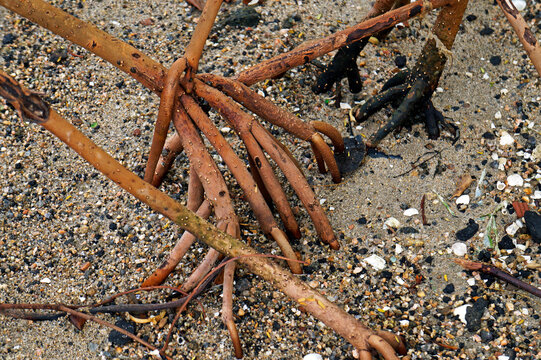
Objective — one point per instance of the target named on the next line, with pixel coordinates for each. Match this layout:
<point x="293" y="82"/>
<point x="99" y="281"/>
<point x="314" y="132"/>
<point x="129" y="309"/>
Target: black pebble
<point x="112" y="226"/>
<point x="408" y="230"/>
<point x="474" y="314"/>
<point x="495" y="60"/>
<point x="119" y="339"/>
<point x="362" y="221"/>
<point x="243" y="17"/>
<point x="486" y="336"/>
<point x="486" y="31"/>
<point x="471" y="17"/>
<point x="8" y="39"/>
<point x="400" y="61"/>
<point x="484" y="255"/>
<point x="489" y="135"/>
<point x="533" y="223"/>
<point x="468" y="232"/>
<point x="506" y="243"/>
<point x="58" y="56"/>
<point x="449" y="289"/>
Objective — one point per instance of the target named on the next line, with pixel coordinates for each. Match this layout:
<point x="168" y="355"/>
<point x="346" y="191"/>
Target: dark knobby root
<point x="410" y="92"/>
<point x="344" y="63"/>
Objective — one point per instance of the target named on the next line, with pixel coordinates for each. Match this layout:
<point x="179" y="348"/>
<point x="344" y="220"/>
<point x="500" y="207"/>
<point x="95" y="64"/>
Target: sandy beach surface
<point x="69" y="235"/>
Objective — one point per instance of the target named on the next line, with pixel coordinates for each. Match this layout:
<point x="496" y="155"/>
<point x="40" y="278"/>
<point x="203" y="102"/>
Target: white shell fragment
<point x="459" y="249"/>
<point x="500" y="185"/>
<point x="498" y="115"/>
<point x="519" y="4"/>
<point x="461" y="312"/>
<point x="411" y="212"/>
<point x="345" y="106"/>
<point x="391" y="223"/>
<point x="506" y="139"/>
<point x="312" y="356"/>
<point x="515" y="180"/>
<point x="512" y="229"/>
<point x="464" y="200"/>
<point x="377" y="262"/>
<point x="536" y="195"/>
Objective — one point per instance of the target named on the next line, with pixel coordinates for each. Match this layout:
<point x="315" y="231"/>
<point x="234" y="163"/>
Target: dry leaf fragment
<point x="462" y="184"/>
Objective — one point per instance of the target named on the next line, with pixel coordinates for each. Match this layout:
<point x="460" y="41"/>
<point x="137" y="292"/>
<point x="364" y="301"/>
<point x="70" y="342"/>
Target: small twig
<point x="500" y="274"/>
<point x="414" y="164"/>
<point x="423" y="216"/>
<point x="9" y="309"/>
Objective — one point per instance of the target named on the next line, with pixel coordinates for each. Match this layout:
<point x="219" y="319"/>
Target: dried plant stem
<point x="201" y="33"/>
<point x="246" y="126"/>
<point x="79" y="315"/>
<point x="172" y="148"/>
<point x="245" y="181"/>
<point x="500" y="274"/>
<point x="165" y="114"/>
<point x="286" y="120"/>
<point x="330" y="314"/>
<point x="308" y="51"/>
<point x="525" y="35"/>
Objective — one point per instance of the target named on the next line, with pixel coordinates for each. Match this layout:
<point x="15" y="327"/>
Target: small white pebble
<point x="225" y="130"/>
<point x="498" y="115"/>
<point x="322" y="201"/>
<point x="459" y="249"/>
<point x="504" y="91"/>
<point x="500" y="185"/>
<point x="377" y="262"/>
<point x="506" y="139"/>
<point x="515" y="180"/>
<point x="463" y="200"/>
<point x="391" y="223"/>
<point x="398" y="249"/>
<point x="471" y="281"/>
<point x="345" y="106"/>
<point x="536" y="195"/>
<point x="439" y="89"/>
<point x="461" y="312"/>
<point x="45" y="281"/>
<point x="312" y="356"/>
<point x="411" y="212"/>
<point x="404" y="323"/>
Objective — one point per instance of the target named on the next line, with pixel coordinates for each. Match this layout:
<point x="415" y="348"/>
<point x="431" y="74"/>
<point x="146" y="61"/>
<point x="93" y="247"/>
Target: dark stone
<point x="8" y="39"/>
<point x="486" y="31"/>
<point x="112" y="226"/>
<point x="506" y="243"/>
<point x="449" y="289"/>
<point x="119" y="339"/>
<point x="474" y="314"/>
<point x="486" y="336"/>
<point x="484" y="255"/>
<point x="489" y="135"/>
<point x="471" y="17"/>
<point x="468" y="232"/>
<point x="400" y="61"/>
<point x="362" y="220"/>
<point x="510" y="353"/>
<point x="533" y="223"/>
<point x="58" y="56"/>
<point x="408" y="230"/>
<point x="243" y="17"/>
<point x="495" y="60"/>
<point x="291" y="21"/>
